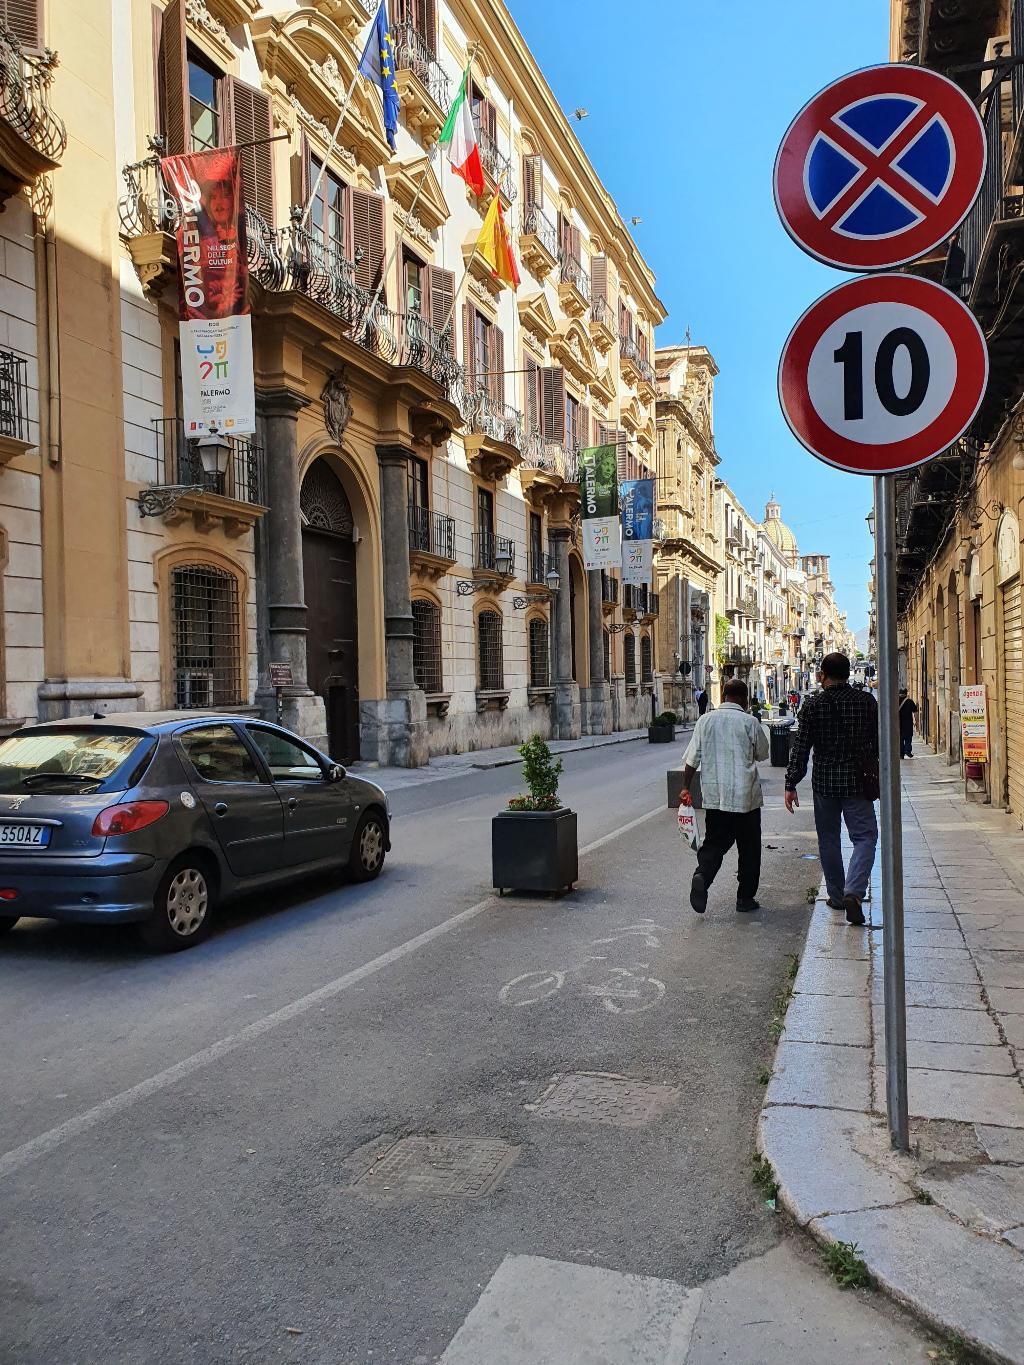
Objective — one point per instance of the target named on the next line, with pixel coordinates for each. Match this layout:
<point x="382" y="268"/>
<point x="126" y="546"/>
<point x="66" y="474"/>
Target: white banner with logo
<point x="601" y="543"/>
<point x="637" y="561"/>
<point x="216" y="376"/>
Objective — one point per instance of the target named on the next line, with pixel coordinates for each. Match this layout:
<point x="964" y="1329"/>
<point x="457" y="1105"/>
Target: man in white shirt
<point x="726" y="747"/>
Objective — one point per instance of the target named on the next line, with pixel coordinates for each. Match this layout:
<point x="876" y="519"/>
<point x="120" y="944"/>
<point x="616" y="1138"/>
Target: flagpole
<point x="337" y="131"/>
<point x="372" y="308"/>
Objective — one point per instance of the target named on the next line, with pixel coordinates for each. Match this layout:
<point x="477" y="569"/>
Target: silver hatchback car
<point x="158" y="817"/>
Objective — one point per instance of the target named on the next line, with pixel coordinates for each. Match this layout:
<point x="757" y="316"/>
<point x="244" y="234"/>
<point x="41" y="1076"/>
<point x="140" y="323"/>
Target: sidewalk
<point x="457" y="765"/>
<point x="943" y="1228"/>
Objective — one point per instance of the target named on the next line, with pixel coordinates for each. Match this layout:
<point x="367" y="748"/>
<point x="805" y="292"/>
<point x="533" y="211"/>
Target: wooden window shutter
<point x="172" y="77"/>
<point x="496" y="381"/>
<point x="576" y="243"/>
<point x="490" y="121"/>
<point x="584" y="426"/>
<point x="605" y="434"/>
<point x="25" y="20"/>
<point x="367" y="237"/>
<point x="532" y="405"/>
<point x="599" y="277"/>
<point x="533" y="180"/>
<point x="426" y="22"/>
<point x="468" y="343"/>
<point x="553" y="403"/>
<point x="250" y="121"/>
<point x="440" y="297"/>
<point x="302" y="179"/>
<point x="622" y="455"/>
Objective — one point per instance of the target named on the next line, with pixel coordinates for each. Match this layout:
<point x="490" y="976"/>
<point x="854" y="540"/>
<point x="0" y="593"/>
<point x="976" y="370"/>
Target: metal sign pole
<point x="891" y="815"/>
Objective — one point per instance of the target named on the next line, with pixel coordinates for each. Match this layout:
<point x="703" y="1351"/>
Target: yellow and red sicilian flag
<point x="494" y="247"/>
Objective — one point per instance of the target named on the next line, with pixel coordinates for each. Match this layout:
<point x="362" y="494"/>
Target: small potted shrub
<point x="533" y="843"/>
<point x="662" y="729"/>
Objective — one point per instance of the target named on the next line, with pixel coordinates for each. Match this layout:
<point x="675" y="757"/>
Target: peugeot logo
<point x="17" y="802"/>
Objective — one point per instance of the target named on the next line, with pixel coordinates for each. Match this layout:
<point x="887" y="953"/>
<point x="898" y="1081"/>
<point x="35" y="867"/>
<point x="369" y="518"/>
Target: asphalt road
<point x="195" y="1151"/>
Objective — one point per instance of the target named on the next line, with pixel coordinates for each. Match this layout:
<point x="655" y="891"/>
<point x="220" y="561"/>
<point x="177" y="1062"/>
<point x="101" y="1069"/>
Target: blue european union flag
<point x="378" y="65"/>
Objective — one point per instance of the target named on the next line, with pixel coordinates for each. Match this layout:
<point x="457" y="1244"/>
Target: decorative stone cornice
<point x="204" y="22"/>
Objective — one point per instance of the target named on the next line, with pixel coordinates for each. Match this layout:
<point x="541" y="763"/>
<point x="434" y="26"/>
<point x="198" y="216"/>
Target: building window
<point x="490" y="661"/>
<point x="629" y="658"/>
<point x="203" y="104"/>
<point x="426" y="645"/>
<point x="572" y="423"/>
<point x="485" y="511"/>
<point x="646" y="660"/>
<point x="419" y="483"/>
<point x="607" y="655"/>
<point x="482" y="349"/>
<point x="205" y="615"/>
<point x="415" y="272"/>
<point x="328" y="210"/>
<point x="540" y="653"/>
<point x="538" y="566"/>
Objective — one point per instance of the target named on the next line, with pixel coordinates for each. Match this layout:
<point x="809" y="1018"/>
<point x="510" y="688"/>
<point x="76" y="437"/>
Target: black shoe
<point x="835" y="905"/>
<point x="854" y="914"/>
<point x="698" y="894"/>
<point x="744" y="906"/>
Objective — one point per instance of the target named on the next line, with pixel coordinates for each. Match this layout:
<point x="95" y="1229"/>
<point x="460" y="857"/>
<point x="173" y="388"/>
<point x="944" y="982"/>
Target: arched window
<point x="607" y="656"/>
<point x="646" y="660"/>
<point x="207" y="655"/>
<point x="490" y="660"/>
<point x="540" y="653"/>
<point x="629" y="658"/>
<point x="426" y="645"/>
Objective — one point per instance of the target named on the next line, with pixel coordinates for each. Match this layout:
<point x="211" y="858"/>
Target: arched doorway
<point x="329" y="582"/>
<point x="953" y="665"/>
<point x="940" y="670"/>
<point x="579" y="619"/>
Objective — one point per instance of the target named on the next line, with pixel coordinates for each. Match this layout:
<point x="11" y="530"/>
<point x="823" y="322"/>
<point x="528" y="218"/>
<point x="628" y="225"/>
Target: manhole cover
<point x="461" y="1168"/>
<point x="594" y="1097"/>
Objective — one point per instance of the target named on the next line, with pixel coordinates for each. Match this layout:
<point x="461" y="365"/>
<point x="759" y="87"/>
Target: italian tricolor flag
<point x="459" y="136"/>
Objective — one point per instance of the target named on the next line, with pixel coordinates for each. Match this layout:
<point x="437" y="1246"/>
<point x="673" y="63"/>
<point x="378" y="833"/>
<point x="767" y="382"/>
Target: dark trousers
<point x="723" y="829"/>
<point x="906" y="744"/>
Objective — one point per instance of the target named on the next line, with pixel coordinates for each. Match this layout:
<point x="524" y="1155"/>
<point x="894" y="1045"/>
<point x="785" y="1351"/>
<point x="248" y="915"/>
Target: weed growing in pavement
<point x="785" y="995"/>
<point x="764" y="1177"/>
<point x="923" y="1197"/>
<point x="843" y="1262"/>
<point x="811" y="895"/>
<point x="764" y="1075"/>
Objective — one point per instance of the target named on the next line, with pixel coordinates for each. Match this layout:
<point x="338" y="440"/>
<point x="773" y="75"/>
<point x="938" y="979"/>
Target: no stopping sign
<point x="882" y="374"/>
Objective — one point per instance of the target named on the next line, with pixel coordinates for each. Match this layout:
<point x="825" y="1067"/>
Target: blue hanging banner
<point x="636" y="501"/>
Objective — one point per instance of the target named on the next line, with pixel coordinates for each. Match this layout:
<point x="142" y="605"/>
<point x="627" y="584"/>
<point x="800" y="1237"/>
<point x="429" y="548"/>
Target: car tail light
<point x="126" y="819"/>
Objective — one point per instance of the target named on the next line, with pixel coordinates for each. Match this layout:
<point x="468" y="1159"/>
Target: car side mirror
<point x="335" y="772"/>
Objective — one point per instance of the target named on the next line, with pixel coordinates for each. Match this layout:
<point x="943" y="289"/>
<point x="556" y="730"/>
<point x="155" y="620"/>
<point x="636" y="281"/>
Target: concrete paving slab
<point x="930" y="919"/>
<point x="1000" y="969"/>
<point x="921" y="936"/>
<point x="965" y="1098"/>
<point x="857" y="1180"/>
<point x="954" y="1278"/>
<point x="1013" y="1026"/>
<point x="836" y="938"/>
<point x="820" y="1074"/>
<point x="938" y="1025"/>
<point x="935" y="966"/>
<point x="989" y="1198"/>
<point x="821" y="975"/>
<point x="1007" y="999"/>
<point x="825" y="1019"/>
<point x="970" y="1057"/>
<point x="535" y="1309"/>
<point x="933" y="994"/>
<point x="995" y="940"/>
<point x="1015" y="1236"/>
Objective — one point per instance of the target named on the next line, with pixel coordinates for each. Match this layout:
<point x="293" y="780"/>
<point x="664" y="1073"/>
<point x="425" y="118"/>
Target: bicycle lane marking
<point x="47" y="1142"/>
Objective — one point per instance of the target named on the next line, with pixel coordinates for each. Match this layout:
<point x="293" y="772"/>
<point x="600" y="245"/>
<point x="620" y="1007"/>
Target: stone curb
<point x="839" y="1179"/>
<point x="571" y="747"/>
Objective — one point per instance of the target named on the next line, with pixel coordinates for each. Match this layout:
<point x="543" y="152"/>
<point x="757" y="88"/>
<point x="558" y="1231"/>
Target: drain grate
<point x="458" y="1168"/>
<point x="596" y="1097"/>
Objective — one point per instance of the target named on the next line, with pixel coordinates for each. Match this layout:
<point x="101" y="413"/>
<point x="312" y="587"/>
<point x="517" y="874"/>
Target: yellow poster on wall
<point x="974" y="723"/>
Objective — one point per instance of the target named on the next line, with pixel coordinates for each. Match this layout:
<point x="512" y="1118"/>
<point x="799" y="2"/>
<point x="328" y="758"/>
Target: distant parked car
<point x="158" y="817"/>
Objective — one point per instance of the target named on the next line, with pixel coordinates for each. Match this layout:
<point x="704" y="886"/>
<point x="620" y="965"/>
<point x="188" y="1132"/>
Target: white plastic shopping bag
<point x="688" y="826"/>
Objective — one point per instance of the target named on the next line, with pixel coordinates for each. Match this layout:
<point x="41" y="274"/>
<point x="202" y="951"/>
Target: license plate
<point x="23" y="835"/>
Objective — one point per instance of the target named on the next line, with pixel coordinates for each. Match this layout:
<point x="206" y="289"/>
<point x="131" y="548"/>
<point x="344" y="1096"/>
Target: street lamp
<point x="214" y="449"/>
<point x="503" y="562"/>
<point x="553" y="580"/>
<point x="870" y="519"/>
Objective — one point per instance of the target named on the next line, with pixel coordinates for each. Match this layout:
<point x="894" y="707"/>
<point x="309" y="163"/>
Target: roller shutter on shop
<point x="1013" y="696"/>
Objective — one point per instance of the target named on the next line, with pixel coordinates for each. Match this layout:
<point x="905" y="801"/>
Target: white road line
<point x="47" y="1142"/>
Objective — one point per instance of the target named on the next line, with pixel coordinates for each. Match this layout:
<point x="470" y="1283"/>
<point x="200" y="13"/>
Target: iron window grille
<point x="13" y="396"/>
<point x="487" y="547"/>
<point x="540" y="654"/>
<point x="181" y="459"/>
<point x="609" y="588"/>
<point x="426" y="645"/>
<point x="490" y="658"/>
<point x="415" y="54"/>
<point x="431" y="533"/>
<point x="207" y="658"/>
<point x="646" y="660"/>
<point x="629" y="658"/>
<point x="541" y="565"/>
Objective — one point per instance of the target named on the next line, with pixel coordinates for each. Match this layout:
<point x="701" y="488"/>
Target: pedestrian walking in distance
<point x="908" y="710"/>
<point x="702" y="701"/>
<point x="726" y="747"/>
<point x="839" y="725"/>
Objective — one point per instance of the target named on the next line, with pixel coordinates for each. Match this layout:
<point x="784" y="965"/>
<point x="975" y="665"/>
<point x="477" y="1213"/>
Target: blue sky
<point x="688" y="100"/>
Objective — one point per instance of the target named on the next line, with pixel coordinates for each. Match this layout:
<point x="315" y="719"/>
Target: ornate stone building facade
<point x="394" y="531"/>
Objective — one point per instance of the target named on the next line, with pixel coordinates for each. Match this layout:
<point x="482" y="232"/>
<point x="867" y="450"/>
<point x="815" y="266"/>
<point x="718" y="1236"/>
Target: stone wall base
<point x="63" y="697"/>
<point x="568" y="720"/>
<point x="596" y="709"/>
<point x="393" y="731"/>
<point x="462" y="732"/>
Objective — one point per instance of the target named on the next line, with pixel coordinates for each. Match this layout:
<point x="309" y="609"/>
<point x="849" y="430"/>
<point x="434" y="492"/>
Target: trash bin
<point x="780" y="732"/>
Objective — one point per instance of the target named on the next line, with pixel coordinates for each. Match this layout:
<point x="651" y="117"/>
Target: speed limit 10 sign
<point x="882" y="374"/>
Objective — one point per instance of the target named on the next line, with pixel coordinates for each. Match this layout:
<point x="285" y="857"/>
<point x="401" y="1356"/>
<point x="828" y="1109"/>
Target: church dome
<point x="778" y="530"/>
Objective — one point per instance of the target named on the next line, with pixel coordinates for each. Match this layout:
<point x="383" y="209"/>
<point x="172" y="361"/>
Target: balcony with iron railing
<point x="495" y="441"/>
<point x="15" y="432"/>
<point x="573" y="286"/>
<point x="552" y="457"/>
<point x="431" y="540"/>
<point x="639" y="601"/>
<point x="493" y="556"/>
<point x="541" y="564"/>
<point x="609" y="592"/>
<point x="497" y="166"/>
<point x="32" y="136"/>
<point x="423" y="85"/>
<point x="538" y="242"/>
<point x="602" y="324"/>
<point x="189" y="485"/>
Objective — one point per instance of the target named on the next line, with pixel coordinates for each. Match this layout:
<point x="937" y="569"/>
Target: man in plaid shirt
<point x="840" y="725"/>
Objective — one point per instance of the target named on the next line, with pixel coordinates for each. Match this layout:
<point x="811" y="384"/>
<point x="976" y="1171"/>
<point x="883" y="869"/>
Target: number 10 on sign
<point x="882" y="374"/>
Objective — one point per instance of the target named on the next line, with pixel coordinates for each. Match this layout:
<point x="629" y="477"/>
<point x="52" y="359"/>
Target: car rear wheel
<point x="7" y="923"/>
<point x="182" y="907"/>
<point x="368" y="847"/>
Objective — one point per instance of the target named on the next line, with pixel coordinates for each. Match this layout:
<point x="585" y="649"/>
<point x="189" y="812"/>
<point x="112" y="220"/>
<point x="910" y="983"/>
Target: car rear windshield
<point x="63" y="760"/>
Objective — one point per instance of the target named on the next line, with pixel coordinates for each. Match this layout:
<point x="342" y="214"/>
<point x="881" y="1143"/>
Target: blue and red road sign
<point x="880" y="167"/>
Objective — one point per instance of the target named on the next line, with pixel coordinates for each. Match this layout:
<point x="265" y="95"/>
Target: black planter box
<point x="534" y="850"/>
<point x="661" y="734"/>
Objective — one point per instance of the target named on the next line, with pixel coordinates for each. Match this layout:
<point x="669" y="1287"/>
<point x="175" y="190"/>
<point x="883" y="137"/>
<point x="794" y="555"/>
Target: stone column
<point x="597" y="705"/>
<point x="567" y="694"/>
<point x="301" y="709"/>
<point x="395" y="727"/>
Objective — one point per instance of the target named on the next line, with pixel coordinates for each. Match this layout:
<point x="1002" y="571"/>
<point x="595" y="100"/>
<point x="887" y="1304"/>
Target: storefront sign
<point x="974" y="723"/>
<point x="216" y="331"/>
<point x="636" y="498"/>
<point x="599" y="486"/>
